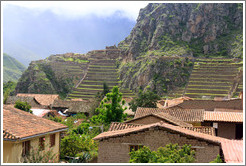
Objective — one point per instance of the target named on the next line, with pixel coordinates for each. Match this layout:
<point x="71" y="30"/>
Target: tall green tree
<point x="171" y="153"/>
<point x="147" y="99"/>
<point x="111" y="108"/>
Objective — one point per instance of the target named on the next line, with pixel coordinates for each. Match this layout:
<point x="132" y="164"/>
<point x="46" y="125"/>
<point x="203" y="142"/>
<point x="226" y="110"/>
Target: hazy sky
<point x="34" y="30"/>
<point x="75" y="9"/>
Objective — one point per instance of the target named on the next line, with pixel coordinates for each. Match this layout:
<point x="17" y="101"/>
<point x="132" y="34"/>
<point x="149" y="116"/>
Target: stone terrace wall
<point x="116" y="150"/>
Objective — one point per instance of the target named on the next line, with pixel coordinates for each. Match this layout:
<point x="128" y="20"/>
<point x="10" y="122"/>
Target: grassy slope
<point x="12" y="69"/>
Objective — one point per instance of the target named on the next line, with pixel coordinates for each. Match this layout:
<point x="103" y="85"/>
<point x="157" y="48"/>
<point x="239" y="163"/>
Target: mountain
<point x="166" y="33"/>
<point x="32" y="35"/>
<point x="195" y="29"/>
<point x="167" y="43"/>
<point x="12" y="69"/>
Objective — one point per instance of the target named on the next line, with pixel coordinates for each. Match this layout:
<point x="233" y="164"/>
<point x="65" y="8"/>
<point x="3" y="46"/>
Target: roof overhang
<point x="36" y="135"/>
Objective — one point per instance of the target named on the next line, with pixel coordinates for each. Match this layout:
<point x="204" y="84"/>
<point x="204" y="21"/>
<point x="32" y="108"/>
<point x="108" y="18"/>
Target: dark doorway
<point x="239" y="131"/>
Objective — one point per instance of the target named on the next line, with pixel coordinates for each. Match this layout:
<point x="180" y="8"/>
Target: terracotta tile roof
<point x="18" y="124"/>
<point x="160" y="126"/>
<point x="73" y="106"/>
<point x="30" y="100"/>
<point x="165" y="117"/>
<point x="223" y="116"/>
<point x="186" y="115"/>
<point x="121" y="126"/>
<point x="226" y="110"/>
<point x="141" y="111"/>
<point x="43" y="99"/>
<point x="202" y="129"/>
<point x="232" y="150"/>
<point x="210" y="105"/>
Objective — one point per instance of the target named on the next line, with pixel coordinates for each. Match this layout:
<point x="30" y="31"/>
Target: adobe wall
<point x="12" y="151"/>
<point x="116" y="150"/>
<point x="227" y="130"/>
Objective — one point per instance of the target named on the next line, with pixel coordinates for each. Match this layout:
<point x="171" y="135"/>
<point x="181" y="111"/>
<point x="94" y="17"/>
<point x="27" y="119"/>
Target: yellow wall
<point x="12" y="151"/>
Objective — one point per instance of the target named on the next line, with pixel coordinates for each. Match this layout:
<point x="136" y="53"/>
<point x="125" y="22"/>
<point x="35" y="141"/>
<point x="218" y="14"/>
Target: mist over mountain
<point x="32" y="35"/>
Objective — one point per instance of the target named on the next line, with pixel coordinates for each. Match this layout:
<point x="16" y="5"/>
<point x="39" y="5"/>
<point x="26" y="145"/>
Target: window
<point x="41" y="143"/>
<point x="52" y="140"/>
<point x="135" y="147"/>
<point x="25" y="148"/>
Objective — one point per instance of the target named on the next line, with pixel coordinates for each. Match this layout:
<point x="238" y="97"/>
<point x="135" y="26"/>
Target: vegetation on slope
<point x="12" y="69"/>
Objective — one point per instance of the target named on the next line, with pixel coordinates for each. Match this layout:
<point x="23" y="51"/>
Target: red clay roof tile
<point x="223" y="116"/>
<point x="121" y="126"/>
<point x="232" y="150"/>
<point x="20" y="124"/>
<point x="43" y="99"/>
<point x="186" y="115"/>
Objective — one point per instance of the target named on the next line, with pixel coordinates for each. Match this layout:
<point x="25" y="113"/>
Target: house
<point x="24" y="132"/>
<point x="115" y="144"/>
<point x="226" y="124"/>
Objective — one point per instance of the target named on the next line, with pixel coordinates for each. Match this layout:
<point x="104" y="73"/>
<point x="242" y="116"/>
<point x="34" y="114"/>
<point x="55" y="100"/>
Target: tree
<point x="76" y="145"/>
<point x="105" y="88"/>
<point x="217" y="160"/>
<point x="110" y="109"/>
<point x="171" y="153"/>
<point x="147" y="99"/>
<point x="23" y="106"/>
<point x="10" y="86"/>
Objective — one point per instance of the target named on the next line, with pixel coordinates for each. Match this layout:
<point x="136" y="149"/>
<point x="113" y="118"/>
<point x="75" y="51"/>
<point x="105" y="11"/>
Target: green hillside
<point x="12" y="69"/>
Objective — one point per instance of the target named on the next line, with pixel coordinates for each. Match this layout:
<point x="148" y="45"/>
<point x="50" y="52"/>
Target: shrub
<point x="23" y="106"/>
<point x="171" y="153"/>
<point x="217" y="160"/>
<point x="37" y="156"/>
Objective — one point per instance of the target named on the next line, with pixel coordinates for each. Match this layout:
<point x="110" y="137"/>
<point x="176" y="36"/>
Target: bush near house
<point x="23" y="106"/>
<point x="171" y="153"/>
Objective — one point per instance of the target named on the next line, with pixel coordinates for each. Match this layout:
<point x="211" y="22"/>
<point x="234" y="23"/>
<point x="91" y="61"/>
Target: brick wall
<point x="116" y="150"/>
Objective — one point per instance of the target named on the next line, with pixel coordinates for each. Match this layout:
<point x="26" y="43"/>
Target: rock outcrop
<point x="178" y="31"/>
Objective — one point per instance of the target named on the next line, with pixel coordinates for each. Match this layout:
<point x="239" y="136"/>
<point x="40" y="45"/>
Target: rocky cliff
<point x="56" y="74"/>
<point x="186" y="29"/>
<point x="178" y="31"/>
